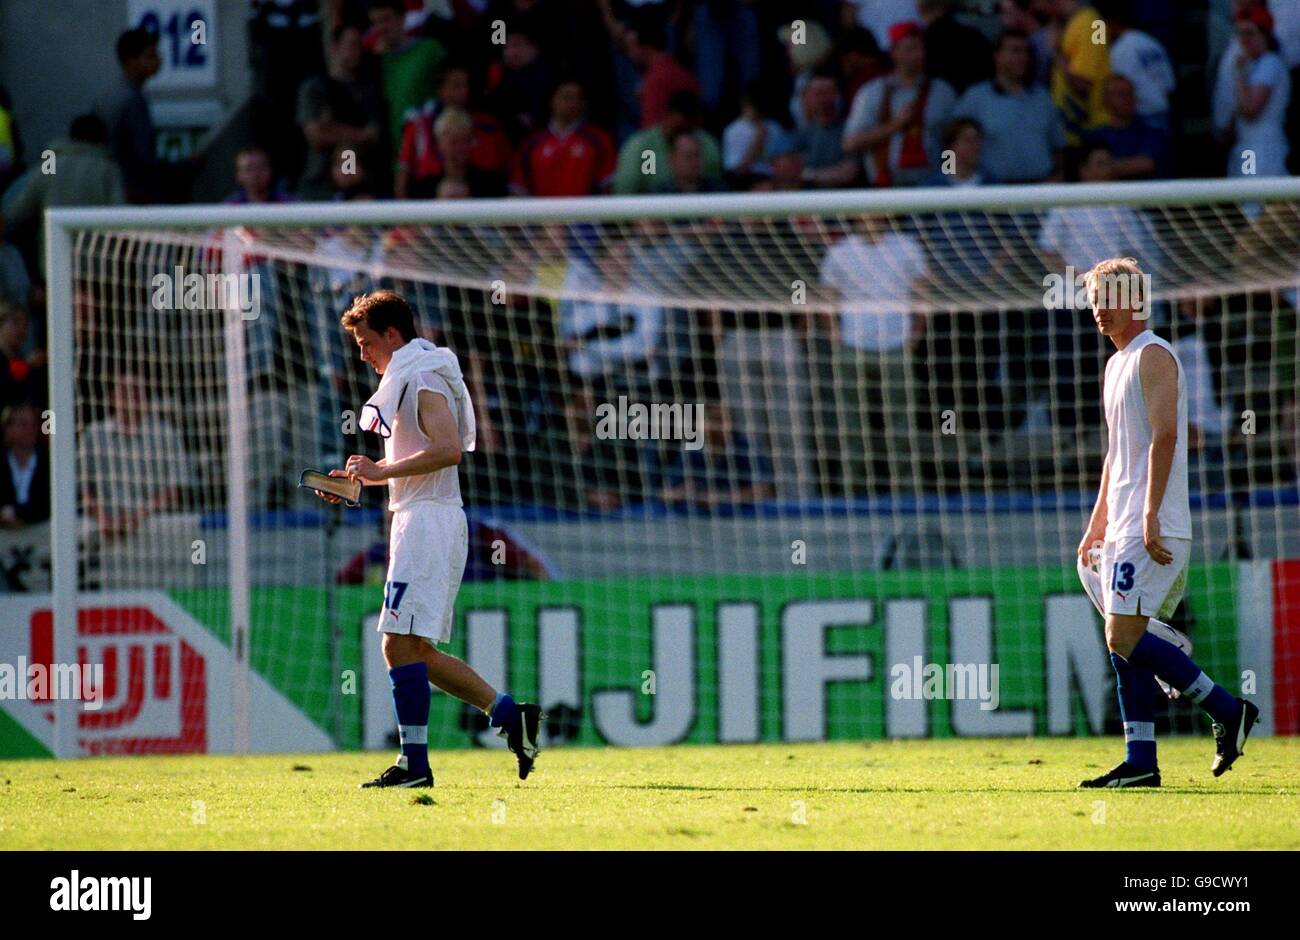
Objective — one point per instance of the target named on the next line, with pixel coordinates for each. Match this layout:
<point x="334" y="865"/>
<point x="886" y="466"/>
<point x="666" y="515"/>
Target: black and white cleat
<point x="1230" y="741"/>
<point x="1124" y="775"/>
<point x="398" y="776"/>
<point x="522" y="739"/>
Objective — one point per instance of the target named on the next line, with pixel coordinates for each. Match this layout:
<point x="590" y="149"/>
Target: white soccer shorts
<point x="1132" y="582"/>
<point x="1105" y="577"/>
<point x="427" y="550"/>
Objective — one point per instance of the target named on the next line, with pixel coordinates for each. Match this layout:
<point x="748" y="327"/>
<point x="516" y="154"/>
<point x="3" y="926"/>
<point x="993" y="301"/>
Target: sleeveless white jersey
<point x="441" y="486"/>
<point x="1129" y="437"/>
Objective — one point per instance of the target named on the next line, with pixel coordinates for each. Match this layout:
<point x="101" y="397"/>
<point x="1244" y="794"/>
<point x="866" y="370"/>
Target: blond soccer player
<point x="1143" y="525"/>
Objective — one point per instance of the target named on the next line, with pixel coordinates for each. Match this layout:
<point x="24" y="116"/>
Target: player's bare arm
<point x="1159" y="375"/>
<point x="439" y="426"/>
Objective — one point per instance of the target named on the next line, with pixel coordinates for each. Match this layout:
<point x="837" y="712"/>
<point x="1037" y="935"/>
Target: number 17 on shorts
<point x="393" y="591"/>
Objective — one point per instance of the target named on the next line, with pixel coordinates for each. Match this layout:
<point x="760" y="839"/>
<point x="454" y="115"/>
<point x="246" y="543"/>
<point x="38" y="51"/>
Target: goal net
<point x="780" y="467"/>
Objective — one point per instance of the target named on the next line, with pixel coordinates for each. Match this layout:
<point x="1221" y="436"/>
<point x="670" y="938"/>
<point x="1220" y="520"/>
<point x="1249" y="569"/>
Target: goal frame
<point x="61" y="223"/>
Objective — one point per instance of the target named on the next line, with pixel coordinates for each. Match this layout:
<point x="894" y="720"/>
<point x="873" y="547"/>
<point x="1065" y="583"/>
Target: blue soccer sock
<point x="1176" y="667"/>
<point x="503" y="712"/>
<point x="1137" y="691"/>
<point x="411" y="698"/>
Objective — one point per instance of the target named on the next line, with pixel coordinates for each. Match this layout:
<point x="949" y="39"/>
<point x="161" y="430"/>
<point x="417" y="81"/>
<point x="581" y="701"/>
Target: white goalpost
<point x="881" y="433"/>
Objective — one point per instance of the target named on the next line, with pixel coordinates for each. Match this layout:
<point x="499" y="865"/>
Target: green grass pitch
<point x="946" y="794"/>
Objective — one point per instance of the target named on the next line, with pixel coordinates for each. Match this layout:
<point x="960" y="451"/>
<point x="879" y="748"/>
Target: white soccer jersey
<point x="1129" y="436"/>
<point x="442" y="486"/>
<point x="1143" y="61"/>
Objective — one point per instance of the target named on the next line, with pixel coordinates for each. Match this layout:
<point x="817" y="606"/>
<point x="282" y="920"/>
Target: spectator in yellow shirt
<point x="1082" y="63"/>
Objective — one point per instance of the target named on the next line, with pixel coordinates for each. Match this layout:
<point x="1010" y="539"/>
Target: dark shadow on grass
<point x="1064" y="788"/>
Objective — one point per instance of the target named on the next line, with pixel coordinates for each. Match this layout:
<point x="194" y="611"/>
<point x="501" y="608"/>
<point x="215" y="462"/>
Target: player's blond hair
<point x="1122" y="278"/>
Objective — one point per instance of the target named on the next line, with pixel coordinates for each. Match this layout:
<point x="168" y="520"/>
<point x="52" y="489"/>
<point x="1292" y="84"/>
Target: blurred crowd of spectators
<point x="374" y="99"/>
<point x="467" y="98"/>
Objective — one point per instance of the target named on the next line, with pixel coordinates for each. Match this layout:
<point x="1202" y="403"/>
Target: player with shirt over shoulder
<point x="1139" y="536"/>
<point x="423" y="412"/>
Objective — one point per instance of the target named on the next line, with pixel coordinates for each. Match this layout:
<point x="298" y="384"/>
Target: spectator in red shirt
<point x="454" y="133"/>
<point x="661" y="74"/>
<point x="420" y="161"/>
<point x="569" y="157"/>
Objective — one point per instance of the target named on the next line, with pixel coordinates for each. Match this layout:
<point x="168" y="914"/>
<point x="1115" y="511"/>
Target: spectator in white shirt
<point x="611" y="341"/>
<point x="133" y="464"/>
<point x="1140" y="58"/>
<point x="1208" y="417"/>
<point x="896" y="120"/>
<point x="748" y="143"/>
<point x="1286" y="27"/>
<point x="1252" y="97"/>
<point x="874" y="274"/>
<point x="1078" y="237"/>
<point x="1205" y="416"/>
<point x="878" y="16"/>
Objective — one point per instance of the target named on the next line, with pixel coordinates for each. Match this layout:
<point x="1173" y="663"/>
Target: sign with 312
<point x="186" y="41"/>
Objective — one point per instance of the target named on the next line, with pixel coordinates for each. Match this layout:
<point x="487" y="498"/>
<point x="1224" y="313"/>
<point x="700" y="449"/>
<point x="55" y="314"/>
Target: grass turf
<point x="948" y="794"/>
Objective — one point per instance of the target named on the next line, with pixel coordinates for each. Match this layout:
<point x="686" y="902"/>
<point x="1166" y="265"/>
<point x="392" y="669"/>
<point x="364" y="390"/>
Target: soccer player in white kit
<point x="423" y="412"/>
<point x="1144" y="526"/>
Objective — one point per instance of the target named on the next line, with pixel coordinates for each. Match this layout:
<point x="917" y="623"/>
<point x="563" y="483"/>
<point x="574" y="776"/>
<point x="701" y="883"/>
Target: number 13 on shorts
<point x="393" y="591"/>
<point x="1121" y="576"/>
